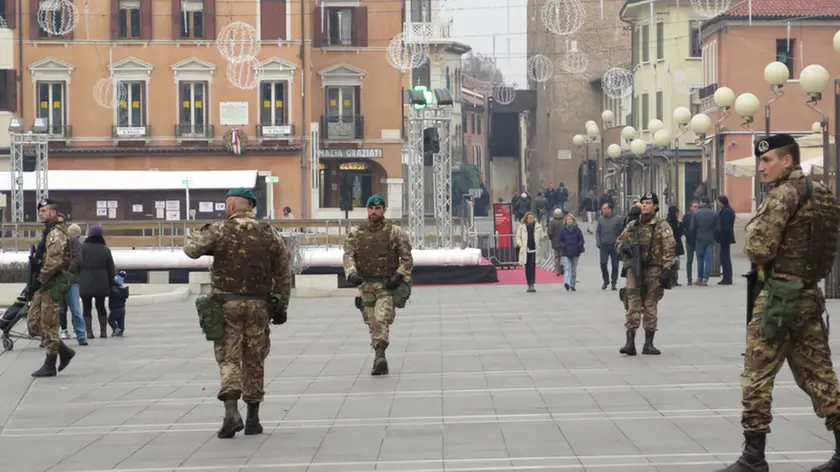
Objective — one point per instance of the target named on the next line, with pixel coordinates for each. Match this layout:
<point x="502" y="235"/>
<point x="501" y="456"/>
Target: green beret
<point x="245" y="193"/>
<point x="375" y="200"/>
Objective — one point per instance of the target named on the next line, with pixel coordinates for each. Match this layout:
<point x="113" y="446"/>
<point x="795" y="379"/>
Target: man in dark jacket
<point x="689" y="239"/>
<point x="562" y="196"/>
<point x="726" y="238"/>
<point x="554" y="227"/>
<point x="704" y="227"/>
<point x="606" y="198"/>
<point x="609" y="228"/>
<point x="541" y="208"/>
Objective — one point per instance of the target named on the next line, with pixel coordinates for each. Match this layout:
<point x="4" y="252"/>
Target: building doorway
<point x="693" y="177"/>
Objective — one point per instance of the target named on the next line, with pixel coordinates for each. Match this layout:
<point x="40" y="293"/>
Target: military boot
<point x="252" y="420"/>
<point x="232" y="423"/>
<point x="65" y="354"/>
<point x="752" y="459"/>
<point x="630" y="347"/>
<point x="649" y="348"/>
<point x="380" y="364"/>
<point x="48" y="369"/>
<point x="833" y="464"/>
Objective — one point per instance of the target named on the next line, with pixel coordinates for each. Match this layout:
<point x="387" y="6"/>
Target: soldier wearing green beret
<point x="250" y="268"/>
<point x="378" y="260"/>
<point x="54" y="250"/>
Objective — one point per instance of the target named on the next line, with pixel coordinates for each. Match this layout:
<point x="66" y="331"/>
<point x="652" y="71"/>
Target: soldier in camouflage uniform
<point x="250" y="262"/>
<point x="377" y="258"/>
<point x="792" y="240"/>
<point x="54" y="249"/>
<point x="657" y="247"/>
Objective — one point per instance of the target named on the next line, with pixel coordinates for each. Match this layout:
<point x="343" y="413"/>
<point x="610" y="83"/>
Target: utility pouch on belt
<point x="780" y="307"/>
<point x="358" y="301"/>
<point x="211" y="316"/>
<point x="61" y="285"/>
<point x="401" y="294"/>
<point x="278" y="309"/>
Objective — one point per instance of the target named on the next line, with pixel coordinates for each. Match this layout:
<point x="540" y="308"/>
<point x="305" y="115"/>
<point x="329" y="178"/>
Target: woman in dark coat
<point x="96" y="276"/>
<point x="673" y="219"/>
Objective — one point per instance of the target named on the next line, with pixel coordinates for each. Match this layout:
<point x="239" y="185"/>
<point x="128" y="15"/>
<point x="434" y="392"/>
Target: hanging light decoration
<point x="109" y="92"/>
<point x="406" y="56"/>
<point x="245" y="75"/>
<point x="617" y="82"/>
<point x="574" y="61"/>
<point x="504" y="94"/>
<point x="710" y="8"/>
<point x="237" y="41"/>
<point x="540" y="68"/>
<point x="57" y="17"/>
<point x="563" y="17"/>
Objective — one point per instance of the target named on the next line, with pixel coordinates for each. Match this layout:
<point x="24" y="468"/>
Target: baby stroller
<point x="10" y="318"/>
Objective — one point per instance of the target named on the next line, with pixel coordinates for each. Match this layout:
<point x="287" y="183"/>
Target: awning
<point x="91" y="180"/>
<point x="811" y="158"/>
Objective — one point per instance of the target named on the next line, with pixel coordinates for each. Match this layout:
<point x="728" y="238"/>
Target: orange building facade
<point x="324" y="116"/>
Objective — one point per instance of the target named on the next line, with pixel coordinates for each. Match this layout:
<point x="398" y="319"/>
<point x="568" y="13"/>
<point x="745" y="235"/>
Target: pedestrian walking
<point x="609" y="228"/>
<point x="704" y="227"/>
<point x="528" y="237"/>
<point x="572" y="245"/>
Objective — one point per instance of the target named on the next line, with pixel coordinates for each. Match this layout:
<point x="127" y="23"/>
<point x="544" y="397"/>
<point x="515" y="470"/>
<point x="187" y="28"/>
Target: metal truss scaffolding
<point x="438" y="118"/>
<point x="21" y="146"/>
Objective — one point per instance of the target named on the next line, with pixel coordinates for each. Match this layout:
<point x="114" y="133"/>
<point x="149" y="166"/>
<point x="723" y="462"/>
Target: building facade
<point x="321" y="122"/>
<point x="475" y="126"/>
<point x="666" y="64"/>
<point x="568" y="99"/>
<point x="736" y="49"/>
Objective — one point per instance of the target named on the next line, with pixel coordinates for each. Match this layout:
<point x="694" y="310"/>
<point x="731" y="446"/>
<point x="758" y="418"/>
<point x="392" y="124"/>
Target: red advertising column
<point x="503" y="225"/>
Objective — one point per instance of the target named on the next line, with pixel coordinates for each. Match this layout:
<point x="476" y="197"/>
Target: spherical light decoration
<point x="617" y="82"/>
<point x="638" y="147"/>
<point x="700" y="124"/>
<point x="563" y="17"/>
<point x="607" y="116"/>
<point x="504" y="94"/>
<point x="238" y="41"/>
<point x="710" y="8"/>
<point x="662" y="138"/>
<point x="575" y="62"/>
<point x="813" y="80"/>
<point x="3" y="24"/>
<point x="747" y="105"/>
<point x="682" y="116"/>
<point x="628" y="133"/>
<point x="245" y="75"/>
<point x="837" y="42"/>
<point x="109" y="93"/>
<point x="776" y="73"/>
<point x="403" y="56"/>
<point x="58" y="17"/>
<point x="614" y="150"/>
<point x="540" y="68"/>
<point x="593" y="131"/>
<point x="578" y="140"/>
<point x="816" y="127"/>
<point x="655" y="125"/>
<point x="724" y="97"/>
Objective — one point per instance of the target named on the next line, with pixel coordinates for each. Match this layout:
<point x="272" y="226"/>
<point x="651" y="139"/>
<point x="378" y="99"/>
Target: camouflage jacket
<point x="655" y="237"/>
<point x="249" y="256"/>
<point x="378" y="249"/>
<point x="57" y="257"/>
<point x="793" y="242"/>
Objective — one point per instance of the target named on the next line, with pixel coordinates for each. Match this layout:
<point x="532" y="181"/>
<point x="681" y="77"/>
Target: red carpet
<point x="517" y="276"/>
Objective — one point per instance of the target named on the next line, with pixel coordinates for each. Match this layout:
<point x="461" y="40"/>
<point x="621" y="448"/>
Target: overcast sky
<point x="476" y="21"/>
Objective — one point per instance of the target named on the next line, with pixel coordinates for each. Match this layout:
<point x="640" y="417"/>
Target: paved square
<point x="483" y="379"/>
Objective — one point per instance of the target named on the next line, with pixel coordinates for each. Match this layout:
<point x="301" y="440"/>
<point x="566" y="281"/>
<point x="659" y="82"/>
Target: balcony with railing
<point x="193" y="131"/>
<point x="59" y="131"/>
<point x="131" y="132"/>
<point x="427" y="32"/>
<point x="343" y="128"/>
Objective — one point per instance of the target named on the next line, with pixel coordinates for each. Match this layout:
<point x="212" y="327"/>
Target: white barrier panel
<point x="140" y="259"/>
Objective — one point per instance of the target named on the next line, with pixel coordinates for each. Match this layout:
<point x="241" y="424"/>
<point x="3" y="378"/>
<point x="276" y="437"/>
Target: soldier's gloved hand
<point x="278" y="318"/>
<point x="394" y="282"/>
<point x="354" y="279"/>
<point x="666" y="279"/>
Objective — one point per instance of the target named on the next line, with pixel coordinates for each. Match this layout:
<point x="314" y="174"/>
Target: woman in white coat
<point x="528" y="237"/>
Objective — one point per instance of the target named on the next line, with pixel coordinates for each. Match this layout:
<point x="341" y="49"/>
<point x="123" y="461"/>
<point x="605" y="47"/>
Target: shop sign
<point x="363" y="153"/>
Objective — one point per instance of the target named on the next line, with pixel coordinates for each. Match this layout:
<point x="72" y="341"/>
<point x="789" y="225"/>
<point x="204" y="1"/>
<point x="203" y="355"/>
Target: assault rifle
<point x="36" y="263"/>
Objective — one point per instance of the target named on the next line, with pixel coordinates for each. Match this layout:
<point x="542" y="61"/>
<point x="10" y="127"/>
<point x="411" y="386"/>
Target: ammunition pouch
<point x="60" y="285"/>
<point x="277" y="309"/>
<point x="358" y="301"/>
<point x="211" y="316"/>
<point x="401" y="294"/>
<point x="666" y="279"/>
<point x="780" y="307"/>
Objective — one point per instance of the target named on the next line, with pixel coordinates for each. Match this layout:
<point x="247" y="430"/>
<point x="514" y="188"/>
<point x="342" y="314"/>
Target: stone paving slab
<point x="484" y="378"/>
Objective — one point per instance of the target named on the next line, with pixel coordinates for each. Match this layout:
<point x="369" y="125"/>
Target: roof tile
<point x="784" y="9"/>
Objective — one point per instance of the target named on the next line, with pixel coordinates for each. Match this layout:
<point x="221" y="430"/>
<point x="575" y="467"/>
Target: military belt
<point x="237" y="297"/>
<point x="382" y="278"/>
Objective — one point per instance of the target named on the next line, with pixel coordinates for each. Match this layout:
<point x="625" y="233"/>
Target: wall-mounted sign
<point x="364" y="153"/>
<point x="233" y="113"/>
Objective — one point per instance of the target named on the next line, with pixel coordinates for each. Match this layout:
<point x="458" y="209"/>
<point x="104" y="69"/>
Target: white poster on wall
<point x="172" y="205"/>
<point x="233" y="113"/>
<point x="102" y="211"/>
<point x="101" y="204"/>
<point x="112" y="204"/>
<point x="160" y="204"/>
<point x="159" y="213"/>
<point x="205" y="207"/>
<point x="112" y="213"/>
<point x="137" y="208"/>
<point x="173" y="215"/>
<point x="220" y="207"/>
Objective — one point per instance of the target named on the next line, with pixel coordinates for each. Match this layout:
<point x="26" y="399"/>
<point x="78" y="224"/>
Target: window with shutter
<point x="52" y="14"/>
<point x="8" y="91"/>
<point x="273" y="19"/>
<point x="192" y="19"/>
<point x="129" y="19"/>
<point x="339" y="26"/>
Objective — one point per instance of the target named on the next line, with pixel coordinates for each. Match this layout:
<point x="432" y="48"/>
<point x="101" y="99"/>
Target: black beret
<point x="650" y="196"/>
<point x="773" y="142"/>
<point x="46" y="202"/>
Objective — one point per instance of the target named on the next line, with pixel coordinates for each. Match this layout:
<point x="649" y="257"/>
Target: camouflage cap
<point x="776" y="141"/>
<point x="46" y="202"/>
<point x="245" y="193"/>
<point x="650" y="196"/>
<point x="375" y="200"/>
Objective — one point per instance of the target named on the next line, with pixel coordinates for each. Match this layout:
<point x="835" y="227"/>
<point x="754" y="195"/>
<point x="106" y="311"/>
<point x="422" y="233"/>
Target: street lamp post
<point x="682" y="116"/>
<point x="776" y="74"/>
<point x="614" y="151"/>
<point x="639" y="147"/>
<point x="579" y="140"/>
<point x="607" y="117"/>
<point x="628" y="133"/>
<point x="724" y="98"/>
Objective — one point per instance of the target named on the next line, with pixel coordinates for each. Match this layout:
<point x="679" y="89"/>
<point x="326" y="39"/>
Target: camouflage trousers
<point x="241" y="353"/>
<point x="806" y="349"/>
<point x="42" y="320"/>
<point x="378" y="312"/>
<point x="642" y="304"/>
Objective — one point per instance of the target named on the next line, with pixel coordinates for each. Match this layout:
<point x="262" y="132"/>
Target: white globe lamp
<point x="655" y="125"/>
<point x="813" y="80"/>
<point x="578" y="139"/>
<point x="816" y="127"/>
<point x="628" y="133"/>
<point x="662" y="138"/>
<point x="593" y="131"/>
<point x="607" y="116"/>
<point x="638" y="147"/>
<point x="614" y="150"/>
<point x="724" y="98"/>
<point x="700" y="124"/>
<point x="837" y="42"/>
<point x="682" y="116"/>
<point x="776" y="74"/>
<point x="589" y="124"/>
<point x="747" y="105"/>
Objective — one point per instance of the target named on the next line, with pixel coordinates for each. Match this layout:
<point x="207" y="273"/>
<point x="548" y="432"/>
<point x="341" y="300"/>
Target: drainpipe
<point x="20" y="55"/>
<point x="303" y="128"/>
